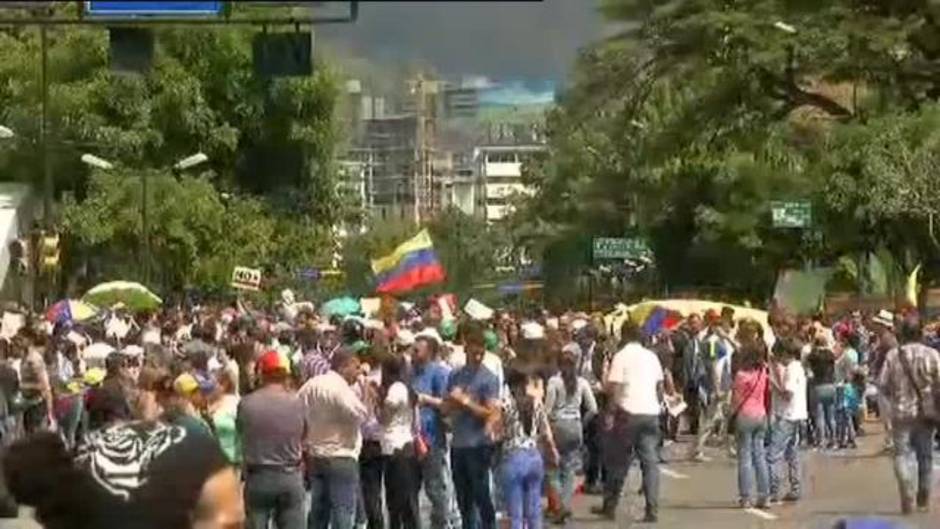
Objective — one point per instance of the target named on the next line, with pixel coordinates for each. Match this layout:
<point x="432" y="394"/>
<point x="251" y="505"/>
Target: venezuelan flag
<point x="411" y="265"/>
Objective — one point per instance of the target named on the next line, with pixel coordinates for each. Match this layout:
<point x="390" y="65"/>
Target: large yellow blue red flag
<point x="413" y="264"/>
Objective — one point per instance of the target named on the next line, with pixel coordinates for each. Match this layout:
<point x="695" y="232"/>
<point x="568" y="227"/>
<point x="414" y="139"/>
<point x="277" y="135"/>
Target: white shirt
<point x="794" y="381"/>
<point x="638" y="370"/>
<point x="397" y="431"/>
<point x="334" y="415"/>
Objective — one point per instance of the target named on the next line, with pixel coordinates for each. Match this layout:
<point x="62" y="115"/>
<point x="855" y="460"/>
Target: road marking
<point x="761" y="514"/>
<point x="672" y="473"/>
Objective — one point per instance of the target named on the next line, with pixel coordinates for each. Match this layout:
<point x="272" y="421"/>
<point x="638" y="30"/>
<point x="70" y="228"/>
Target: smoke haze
<point x="498" y="40"/>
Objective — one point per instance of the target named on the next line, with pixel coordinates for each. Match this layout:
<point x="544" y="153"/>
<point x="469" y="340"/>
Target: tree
<point x="683" y="127"/>
<point x="274" y="139"/>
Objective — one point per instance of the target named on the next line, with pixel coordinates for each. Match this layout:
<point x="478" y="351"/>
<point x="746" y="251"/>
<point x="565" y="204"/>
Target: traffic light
<point x="19" y="256"/>
<point x="49" y="251"/>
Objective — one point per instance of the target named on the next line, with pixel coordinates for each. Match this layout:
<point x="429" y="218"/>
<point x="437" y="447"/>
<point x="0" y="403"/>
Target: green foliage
<point x="683" y="127"/>
<point x="270" y="143"/>
<point x="197" y="235"/>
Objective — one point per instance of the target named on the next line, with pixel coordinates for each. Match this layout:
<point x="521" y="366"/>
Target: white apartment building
<point x="499" y="176"/>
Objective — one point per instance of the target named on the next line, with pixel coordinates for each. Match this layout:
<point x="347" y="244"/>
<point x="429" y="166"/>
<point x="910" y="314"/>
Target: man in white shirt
<point x="634" y="390"/>
<point x="334" y="415"/>
<point x="789" y="411"/>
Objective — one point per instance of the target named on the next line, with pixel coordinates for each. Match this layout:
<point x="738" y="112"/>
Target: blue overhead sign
<point x="125" y="10"/>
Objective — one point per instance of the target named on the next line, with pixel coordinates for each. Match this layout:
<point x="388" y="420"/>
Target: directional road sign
<point x="791" y="214"/>
<point x="116" y="10"/>
<point x="620" y="248"/>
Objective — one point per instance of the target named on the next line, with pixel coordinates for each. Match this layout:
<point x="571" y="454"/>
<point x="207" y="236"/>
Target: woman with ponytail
<point x="524" y="424"/>
<point x="570" y="404"/>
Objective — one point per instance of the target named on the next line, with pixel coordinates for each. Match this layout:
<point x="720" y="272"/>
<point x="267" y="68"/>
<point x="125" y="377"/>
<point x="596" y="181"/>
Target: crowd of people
<point x="225" y="417"/>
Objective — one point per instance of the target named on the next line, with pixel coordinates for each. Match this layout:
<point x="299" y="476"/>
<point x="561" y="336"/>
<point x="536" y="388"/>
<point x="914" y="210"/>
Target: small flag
<point x="411" y="265"/>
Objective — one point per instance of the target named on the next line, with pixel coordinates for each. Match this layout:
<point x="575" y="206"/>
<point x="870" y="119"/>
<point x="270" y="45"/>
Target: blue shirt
<point x="482" y="386"/>
<point x="431" y="379"/>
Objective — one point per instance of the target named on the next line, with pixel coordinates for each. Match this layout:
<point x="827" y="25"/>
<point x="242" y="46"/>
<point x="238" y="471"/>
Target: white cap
<point x="430" y="332"/>
<point x="133" y="350"/>
<point x="405" y="337"/>
<point x="532" y="331"/>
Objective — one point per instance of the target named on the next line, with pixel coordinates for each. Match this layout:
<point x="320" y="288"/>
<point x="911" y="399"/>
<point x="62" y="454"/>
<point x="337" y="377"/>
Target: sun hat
<point x="884" y="317"/>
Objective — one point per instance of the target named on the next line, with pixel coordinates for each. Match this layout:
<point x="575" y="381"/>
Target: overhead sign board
<point x="620" y="248"/>
<point x="246" y="278"/>
<point x="791" y="214"/>
<point x="26" y="5"/>
<point x="116" y="10"/>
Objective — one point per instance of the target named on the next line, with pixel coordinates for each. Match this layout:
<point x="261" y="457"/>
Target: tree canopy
<point x="270" y="143"/>
<point x="683" y="127"/>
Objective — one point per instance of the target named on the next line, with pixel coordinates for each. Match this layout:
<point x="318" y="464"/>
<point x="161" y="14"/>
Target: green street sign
<point x="620" y="248"/>
<point x="791" y="214"/>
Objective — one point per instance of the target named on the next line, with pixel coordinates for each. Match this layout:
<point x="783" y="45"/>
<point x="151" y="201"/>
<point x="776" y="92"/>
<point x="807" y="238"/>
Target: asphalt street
<point x="703" y="495"/>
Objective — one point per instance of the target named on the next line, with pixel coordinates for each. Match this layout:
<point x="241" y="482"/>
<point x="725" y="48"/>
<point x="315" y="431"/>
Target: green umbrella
<point x="340" y="307"/>
<point x="132" y="295"/>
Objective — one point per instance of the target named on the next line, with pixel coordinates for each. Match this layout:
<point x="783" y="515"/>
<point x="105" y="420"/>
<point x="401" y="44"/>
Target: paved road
<point x="702" y="495"/>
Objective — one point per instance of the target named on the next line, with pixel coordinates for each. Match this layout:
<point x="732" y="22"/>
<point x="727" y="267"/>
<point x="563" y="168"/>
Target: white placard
<point x="246" y="278"/>
<point x="11" y="324"/>
<point x="477" y="310"/>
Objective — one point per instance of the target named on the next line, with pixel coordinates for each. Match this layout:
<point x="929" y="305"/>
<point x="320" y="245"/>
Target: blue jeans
<point x="784" y="446"/>
<point x="913" y="460"/>
<point x="522" y="474"/>
<point x="334" y="493"/>
<point x="845" y="428"/>
<point x="825" y="413"/>
<point x="631" y="437"/>
<point x="276" y="495"/>
<point x="471" y="468"/>
<point x="439" y="488"/>
<point x="563" y="478"/>
<point x="752" y="458"/>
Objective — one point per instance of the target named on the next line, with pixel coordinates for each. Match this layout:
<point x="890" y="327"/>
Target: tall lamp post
<point x="182" y="165"/>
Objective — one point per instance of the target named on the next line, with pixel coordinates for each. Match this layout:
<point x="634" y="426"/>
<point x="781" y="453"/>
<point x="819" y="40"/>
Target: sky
<point x="496" y="39"/>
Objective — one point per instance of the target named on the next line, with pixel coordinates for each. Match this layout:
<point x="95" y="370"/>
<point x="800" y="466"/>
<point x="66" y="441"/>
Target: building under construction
<point x="413" y="157"/>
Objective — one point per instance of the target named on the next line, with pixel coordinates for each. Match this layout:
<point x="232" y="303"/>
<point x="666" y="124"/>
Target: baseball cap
<point x="188" y="384"/>
<point x="273" y="362"/>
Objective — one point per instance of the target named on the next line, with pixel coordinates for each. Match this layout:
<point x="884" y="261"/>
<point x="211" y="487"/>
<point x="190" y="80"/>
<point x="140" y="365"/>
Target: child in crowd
<point x="852" y="394"/>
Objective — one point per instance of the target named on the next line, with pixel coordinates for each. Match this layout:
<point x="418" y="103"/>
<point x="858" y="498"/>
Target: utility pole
<point x="44" y="127"/>
<point x="421" y="140"/>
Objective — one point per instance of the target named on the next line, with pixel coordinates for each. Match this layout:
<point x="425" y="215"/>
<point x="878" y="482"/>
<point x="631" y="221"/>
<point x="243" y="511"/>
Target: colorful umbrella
<point x="133" y="295"/>
<point x="70" y="310"/>
<point x="341" y="307"/>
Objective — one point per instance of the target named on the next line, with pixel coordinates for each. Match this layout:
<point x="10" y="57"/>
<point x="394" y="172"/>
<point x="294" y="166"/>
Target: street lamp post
<point x="185" y="163"/>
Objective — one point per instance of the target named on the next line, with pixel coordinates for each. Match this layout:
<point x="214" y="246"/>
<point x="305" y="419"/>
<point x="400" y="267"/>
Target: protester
<point x="884" y="342"/>
<point x="524" y="423"/>
<point x="473" y="403"/>
<point x="272" y="426"/>
<point x="713" y="384"/>
<point x="429" y="381"/>
<point x="821" y="362"/>
<point x="570" y="404"/>
<point x="749" y="402"/>
<point x="335" y="415"/>
<point x="184" y="403"/>
<point x="402" y="471"/>
<point x="176" y="480"/>
<point x="223" y="412"/>
<point x="110" y="402"/>
<point x="910" y="380"/>
<point x="788" y="380"/>
<point x="635" y="394"/>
